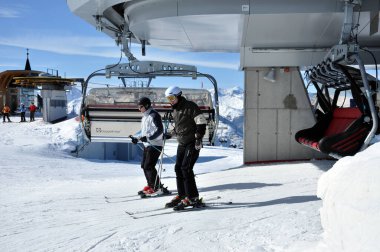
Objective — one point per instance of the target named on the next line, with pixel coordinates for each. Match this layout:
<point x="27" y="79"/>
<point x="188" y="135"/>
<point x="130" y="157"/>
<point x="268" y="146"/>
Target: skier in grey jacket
<point x="152" y="138"/>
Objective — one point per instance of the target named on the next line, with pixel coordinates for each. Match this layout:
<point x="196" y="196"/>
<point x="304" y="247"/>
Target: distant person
<point x="6" y="111"/>
<point x="152" y="138"/>
<point x="190" y="127"/>
<point x="22" y="112"/>
<point x="32" y="109"/>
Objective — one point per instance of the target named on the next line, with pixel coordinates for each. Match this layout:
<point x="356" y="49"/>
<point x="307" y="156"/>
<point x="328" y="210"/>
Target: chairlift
<point x="111" y="114"/>
<point x="341" y="131"/>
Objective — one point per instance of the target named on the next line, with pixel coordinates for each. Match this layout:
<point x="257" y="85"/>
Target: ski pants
<point x="7" y="116"/>
<point x="148" y="163"/>
<point x="187" y="155"/>
<point x="32" y="115"/>
<point x="23" y="117"/>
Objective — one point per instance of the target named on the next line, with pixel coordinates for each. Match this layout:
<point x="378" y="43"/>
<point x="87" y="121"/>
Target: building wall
<point x="274" y="112"/>
<point x="54" y="105"/>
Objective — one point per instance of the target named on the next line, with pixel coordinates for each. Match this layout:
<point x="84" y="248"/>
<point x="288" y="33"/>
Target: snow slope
<point x="231" y="116"/>
<point x="52" y="201"/>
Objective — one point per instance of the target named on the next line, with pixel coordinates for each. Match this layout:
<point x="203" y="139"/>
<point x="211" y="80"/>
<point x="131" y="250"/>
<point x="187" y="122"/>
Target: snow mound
<point x="350" y="214"/>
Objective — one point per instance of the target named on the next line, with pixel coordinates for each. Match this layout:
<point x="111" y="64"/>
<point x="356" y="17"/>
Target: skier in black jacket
<point x="190" y="127"/>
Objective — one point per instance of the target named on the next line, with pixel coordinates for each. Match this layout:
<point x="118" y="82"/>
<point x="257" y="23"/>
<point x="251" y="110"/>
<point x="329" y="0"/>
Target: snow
<point x="231" y="116"/>
<point x="53" y="201"/>
<point x="351" y="202"/>
<point x="74" y="97"/>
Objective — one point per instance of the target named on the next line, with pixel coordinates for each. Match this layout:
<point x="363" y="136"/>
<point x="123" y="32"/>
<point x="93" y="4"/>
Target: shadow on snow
<point x="236" y="186"/>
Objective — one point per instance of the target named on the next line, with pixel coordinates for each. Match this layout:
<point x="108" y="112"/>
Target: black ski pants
<point x="187" y="155"/>
<point x="148" y="163"/>
<point x="7" y="116"/>
<point x="32" y="116"/>
<point x="23" y="117"/>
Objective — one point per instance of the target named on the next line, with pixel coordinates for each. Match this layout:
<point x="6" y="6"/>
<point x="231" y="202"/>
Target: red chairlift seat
<point x="340" y="132"/>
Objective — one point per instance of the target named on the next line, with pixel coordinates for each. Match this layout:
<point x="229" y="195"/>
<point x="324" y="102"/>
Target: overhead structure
<point x="265" y="32"/>
<point x="275" y="40"/>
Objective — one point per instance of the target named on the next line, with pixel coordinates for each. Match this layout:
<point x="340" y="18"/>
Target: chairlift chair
<point x="340" y="131"/>
<point x="111" y="115"/>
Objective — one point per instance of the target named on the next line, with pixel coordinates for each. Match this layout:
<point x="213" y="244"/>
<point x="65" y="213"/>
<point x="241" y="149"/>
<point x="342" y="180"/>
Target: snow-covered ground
<point x="53" y="201"/>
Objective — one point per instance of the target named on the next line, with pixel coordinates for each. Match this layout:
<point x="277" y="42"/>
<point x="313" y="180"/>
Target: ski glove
<point x="134" y="139"/>
<point x="143" y="139"/>
<point x="198" y="144"/>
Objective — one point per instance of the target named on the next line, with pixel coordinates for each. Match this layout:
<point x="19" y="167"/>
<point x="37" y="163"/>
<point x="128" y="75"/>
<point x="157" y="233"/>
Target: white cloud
<point x="8" y="65"/>
<point x="9" y="13"/>
<point x="105" y="47"/>
<point x="70" y="45"/>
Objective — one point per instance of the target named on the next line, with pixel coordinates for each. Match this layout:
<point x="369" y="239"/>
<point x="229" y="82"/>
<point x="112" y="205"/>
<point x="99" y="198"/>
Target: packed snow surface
<point x="53" y="201"/>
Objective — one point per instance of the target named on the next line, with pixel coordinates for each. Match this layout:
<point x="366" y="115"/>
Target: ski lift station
<point x="334" y="42"/>
<point x="47" y="91"/>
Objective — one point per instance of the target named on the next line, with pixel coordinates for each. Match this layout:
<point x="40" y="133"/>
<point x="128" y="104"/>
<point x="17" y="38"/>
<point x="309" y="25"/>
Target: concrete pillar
<point x="274" y="112"/>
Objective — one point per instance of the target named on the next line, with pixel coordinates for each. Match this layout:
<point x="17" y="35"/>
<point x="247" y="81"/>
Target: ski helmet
<point x="145" y="101"/>
<point x="173" y="90"/>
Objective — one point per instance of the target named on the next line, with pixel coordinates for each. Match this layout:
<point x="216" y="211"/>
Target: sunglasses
<point x="171" y="98"/>
<point x="141" y="106"/>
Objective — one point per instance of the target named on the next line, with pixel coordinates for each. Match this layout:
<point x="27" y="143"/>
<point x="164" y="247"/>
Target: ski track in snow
<point x="51" y="201"/>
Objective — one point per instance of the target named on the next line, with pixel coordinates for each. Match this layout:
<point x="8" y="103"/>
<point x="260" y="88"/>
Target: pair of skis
<point x="121" y="199"/>
<point x="207" y="202"/>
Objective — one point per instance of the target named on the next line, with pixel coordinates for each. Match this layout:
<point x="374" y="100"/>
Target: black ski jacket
<point x="189" y="121"/>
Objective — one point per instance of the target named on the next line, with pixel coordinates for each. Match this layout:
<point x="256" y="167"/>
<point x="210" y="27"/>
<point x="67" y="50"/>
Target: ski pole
<point x="158" y="150"/>
<point x="160" y="166"/>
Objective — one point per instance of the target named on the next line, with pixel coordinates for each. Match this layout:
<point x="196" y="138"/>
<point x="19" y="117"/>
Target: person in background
<point x="152" y="138"/>
<point x="32" y="109"/>
<point x="190" y="127"/>
<point x="22" y="112"/>
<point x="6" y="111"/>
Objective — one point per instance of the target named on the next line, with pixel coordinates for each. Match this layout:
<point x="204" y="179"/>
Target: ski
<point x="128" y="198"/>
<point x="119" y="197"/>
<point x="166" y="211"/>
<point x="123" y="200"/>
<point x="156" y="194"/>
<point x="164" y="208"/>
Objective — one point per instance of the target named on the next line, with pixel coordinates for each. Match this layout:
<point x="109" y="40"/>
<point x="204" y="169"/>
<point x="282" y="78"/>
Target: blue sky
<point x="57" y="39"/>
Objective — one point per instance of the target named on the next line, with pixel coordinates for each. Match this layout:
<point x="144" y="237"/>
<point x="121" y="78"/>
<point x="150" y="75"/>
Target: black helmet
<point x="145" y="101"/>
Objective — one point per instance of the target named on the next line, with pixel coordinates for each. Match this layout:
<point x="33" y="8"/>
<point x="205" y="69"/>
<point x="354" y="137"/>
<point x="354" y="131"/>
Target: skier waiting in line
<point x="32" y="109"/>
<point x="6" y="110"/>
<point x="152" y="138"/>
<point x="190" y="127"/>
<point x="22" y="112"/>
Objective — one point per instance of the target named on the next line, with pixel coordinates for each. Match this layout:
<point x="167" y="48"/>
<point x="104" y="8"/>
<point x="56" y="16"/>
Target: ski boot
<point x="146" y="188"/>
<point x="189" y="203"/>
<point x="164" y="190"/>
<point x="175" y="201"/>
<point x="148" y="192"/>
